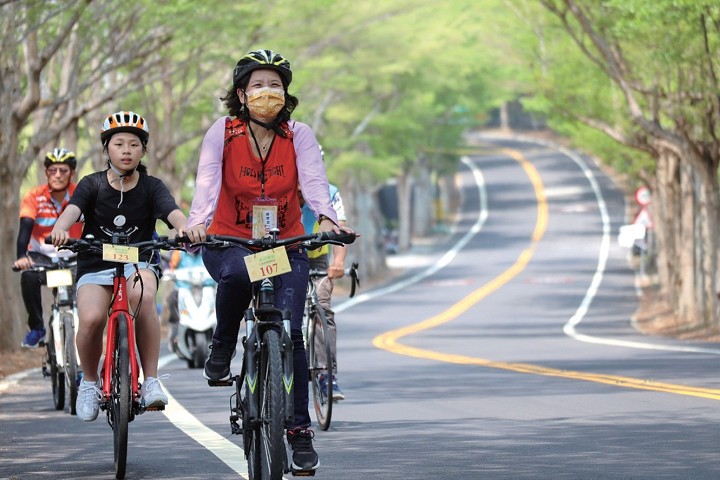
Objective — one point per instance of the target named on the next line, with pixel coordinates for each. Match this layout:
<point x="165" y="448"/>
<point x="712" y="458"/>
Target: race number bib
<point x="120" y="253"/>
<point x="58" y="278"/>
<point x="267" y="264"/>
<point x="264" y="215"/>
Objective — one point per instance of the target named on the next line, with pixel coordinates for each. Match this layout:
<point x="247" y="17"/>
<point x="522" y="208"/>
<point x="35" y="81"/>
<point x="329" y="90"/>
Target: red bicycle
<point x="121" y="397"/>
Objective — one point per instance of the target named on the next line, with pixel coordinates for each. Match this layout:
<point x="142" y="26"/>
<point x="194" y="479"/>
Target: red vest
<point x="241" y="183"/>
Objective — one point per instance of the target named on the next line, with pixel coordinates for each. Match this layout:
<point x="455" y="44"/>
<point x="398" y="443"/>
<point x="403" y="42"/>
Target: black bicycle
<point x="61" y="361"/>
<point x="318" y="345"/>
<point x="262" y="405"/>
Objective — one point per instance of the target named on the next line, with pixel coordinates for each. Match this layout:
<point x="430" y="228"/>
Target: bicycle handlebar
<point x="46" y="263"/>
<point x="351" y="272"/>
<point x="311" y="241"/>
<point x="79" y="245"/>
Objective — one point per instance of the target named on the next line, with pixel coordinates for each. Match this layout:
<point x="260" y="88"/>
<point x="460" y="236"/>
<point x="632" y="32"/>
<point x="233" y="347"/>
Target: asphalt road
<point x="506" y="352"/>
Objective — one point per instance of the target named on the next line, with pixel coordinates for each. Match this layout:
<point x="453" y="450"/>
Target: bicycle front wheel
<point x="272" y="423"/>
<point x="57" y="376"/>
<point x="121" y="400"/>
<point x="71" y="366"/>
<point x="318" y="333"/>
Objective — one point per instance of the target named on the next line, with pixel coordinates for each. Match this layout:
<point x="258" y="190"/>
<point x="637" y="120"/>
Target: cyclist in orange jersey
<point x="39" y="210"/>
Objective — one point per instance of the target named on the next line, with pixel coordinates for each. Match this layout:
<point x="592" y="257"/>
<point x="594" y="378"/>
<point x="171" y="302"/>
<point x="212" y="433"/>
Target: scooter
<point x="196" y="314"/>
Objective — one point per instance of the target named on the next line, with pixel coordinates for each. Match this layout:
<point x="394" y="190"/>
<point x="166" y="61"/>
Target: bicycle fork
<point x="286" y="347"/>
<point x="251" y="344"/>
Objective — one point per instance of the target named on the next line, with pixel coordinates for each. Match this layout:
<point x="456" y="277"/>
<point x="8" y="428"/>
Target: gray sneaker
<point x="88" y="401"/>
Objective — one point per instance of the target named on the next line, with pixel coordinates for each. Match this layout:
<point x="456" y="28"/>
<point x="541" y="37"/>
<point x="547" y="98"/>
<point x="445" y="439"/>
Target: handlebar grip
<point x="15" y="269"/>
<point x="68" y="242"/>
<point x="344" y="237"/>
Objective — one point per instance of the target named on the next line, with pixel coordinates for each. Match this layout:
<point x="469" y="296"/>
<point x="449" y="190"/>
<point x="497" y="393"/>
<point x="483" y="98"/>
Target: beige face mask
<point x="265" y="103"/>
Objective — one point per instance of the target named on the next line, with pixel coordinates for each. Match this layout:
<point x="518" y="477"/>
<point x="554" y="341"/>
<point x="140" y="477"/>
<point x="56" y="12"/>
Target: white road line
<point x="230" y="454"/>
<point x="569" y="327"/>
<point x="446" y="258"/>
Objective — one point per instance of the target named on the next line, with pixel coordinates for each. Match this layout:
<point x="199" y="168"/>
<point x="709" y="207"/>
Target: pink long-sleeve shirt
<point x="310" y="166"/>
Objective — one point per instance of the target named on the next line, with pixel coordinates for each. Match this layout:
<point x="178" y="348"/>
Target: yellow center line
<point x="390" y="340"/>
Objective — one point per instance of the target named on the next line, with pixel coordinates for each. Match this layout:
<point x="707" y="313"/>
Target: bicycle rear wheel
<point x="71" y="366"/>
<point x="318" y="334"/>
<point x="272" y="423"/>
<point x="121" y="400"/>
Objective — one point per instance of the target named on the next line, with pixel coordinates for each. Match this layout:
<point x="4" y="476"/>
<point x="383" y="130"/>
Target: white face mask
<point x="265" y="103"/>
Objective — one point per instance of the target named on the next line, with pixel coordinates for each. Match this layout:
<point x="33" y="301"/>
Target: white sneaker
<point x="152" y="393"/>
<point x="88" y="401"/>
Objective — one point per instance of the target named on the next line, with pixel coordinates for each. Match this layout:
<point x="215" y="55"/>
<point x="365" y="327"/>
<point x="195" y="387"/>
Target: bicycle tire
<point x="200" y="352"/>
<point x="272" y="423"/>
<point x="57" y="377"/>
<point x="323" y="403"/>
<point x="121" y="400"/>
<point x="71" y="366"/>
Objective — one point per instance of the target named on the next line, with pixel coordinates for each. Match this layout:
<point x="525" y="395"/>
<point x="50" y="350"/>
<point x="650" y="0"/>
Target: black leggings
<point x="31" y="285"/>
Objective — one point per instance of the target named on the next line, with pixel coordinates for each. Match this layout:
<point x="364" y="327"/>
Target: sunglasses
<point x="54" y="170"/>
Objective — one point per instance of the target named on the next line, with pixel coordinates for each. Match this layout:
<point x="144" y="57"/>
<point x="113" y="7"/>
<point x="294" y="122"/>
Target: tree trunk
<point x="423" y="202"/>
<point x="666" y="209"/>
<point x="707" y="255"/>
<point x="404" y="195"/>
<point x="362" y="211"/>
<point x="686" y="252"/>
<point x="12" y="311"/>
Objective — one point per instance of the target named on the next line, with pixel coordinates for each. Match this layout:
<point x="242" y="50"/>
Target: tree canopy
<point x="388" y="87"/>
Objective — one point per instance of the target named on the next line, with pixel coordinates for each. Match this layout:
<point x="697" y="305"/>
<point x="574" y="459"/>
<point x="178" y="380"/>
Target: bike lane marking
<point x="229" y="453"/>
<point x="389" y="340"/>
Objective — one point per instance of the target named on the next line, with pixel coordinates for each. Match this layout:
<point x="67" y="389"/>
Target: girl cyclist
<point x="122" y="199"/>
<point x="250" y="165"/>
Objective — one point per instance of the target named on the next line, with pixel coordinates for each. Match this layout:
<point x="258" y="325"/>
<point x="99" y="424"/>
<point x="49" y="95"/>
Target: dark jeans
<point x="234" y="292"/>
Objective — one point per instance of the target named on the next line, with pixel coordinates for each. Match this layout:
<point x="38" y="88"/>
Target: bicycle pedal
<point x="220" y="383"/>
<point x="303" y="473"/>
<point x="155" y="409"/>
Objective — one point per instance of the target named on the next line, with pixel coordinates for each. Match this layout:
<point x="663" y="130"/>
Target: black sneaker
<point x="304" y="455"/>
<point x="217" y="366"/>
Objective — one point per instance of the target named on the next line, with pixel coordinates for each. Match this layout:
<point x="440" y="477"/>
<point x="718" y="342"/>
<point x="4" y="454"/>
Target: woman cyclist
<point x="250" y="165"/>
<point x="122" y="199"/>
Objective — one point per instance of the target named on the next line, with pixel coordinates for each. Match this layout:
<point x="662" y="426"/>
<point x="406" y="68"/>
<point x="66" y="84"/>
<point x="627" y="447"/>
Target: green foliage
<point x="661" y="52"/>
<point x="386" y="86"/>
<point x="389" y="79"/>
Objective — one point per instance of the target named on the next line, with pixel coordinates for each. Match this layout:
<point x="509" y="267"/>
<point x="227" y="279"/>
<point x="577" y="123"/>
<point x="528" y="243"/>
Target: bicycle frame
<point x="56" y="275"/>
<point x="259" y="319"/>
<point x="118" y="305"/>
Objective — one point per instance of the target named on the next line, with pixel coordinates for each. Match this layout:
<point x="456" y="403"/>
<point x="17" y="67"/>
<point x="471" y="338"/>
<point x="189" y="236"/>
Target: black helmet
<point x="262" y="59"/>
<point x="61" y="155"/>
